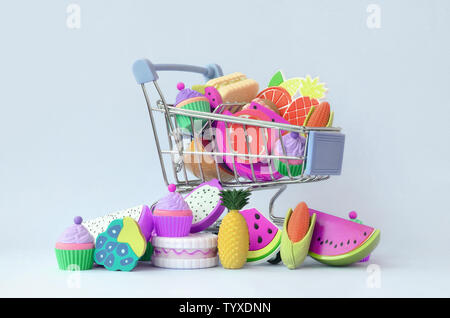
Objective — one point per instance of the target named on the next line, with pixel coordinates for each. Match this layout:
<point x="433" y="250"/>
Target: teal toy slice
<point x="147" y="257"/>
<point x="121" y="246"/>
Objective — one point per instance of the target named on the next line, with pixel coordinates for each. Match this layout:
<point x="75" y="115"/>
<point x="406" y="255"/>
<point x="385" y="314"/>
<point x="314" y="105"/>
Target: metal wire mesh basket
<point x="185" y="154"/>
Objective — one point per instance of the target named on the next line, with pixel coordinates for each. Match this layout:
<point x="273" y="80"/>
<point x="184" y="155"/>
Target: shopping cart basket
<point x="322" y="157"/>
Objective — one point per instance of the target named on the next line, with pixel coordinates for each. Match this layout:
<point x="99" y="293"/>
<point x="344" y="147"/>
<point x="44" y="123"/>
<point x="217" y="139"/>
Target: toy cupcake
<point x="294" y="144"/>
<point x="75" y="248"/>
<point x="172" y="215"/>
<point x="189" y="99"/>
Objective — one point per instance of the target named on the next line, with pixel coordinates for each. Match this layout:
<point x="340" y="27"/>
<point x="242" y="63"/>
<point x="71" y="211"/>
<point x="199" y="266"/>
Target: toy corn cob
<point x="233" y="238"/>
<point x="318" y="115"/>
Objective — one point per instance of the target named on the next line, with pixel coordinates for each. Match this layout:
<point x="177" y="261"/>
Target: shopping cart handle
<point x="145" y="71"/>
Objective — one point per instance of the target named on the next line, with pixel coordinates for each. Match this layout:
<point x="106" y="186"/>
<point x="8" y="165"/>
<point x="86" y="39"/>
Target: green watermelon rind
<point x="353" y="256"/>
<point x="264" y="254"/>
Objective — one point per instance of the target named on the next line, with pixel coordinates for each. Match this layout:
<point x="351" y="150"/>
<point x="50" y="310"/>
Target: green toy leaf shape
<point x="276" y="79"/>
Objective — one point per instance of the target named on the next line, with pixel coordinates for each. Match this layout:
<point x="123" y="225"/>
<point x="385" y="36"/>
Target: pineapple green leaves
<point x="235" y="199"/>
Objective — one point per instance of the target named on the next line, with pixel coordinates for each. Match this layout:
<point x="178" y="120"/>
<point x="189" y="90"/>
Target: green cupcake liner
<point x="281" y="167"/>
<point x="148" y="253"/>
<point x="75" y="259"/>
<point x="184" y="122"/>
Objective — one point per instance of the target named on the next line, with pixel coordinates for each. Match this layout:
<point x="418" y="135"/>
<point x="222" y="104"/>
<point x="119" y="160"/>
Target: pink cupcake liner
<point x="172" y="226"/>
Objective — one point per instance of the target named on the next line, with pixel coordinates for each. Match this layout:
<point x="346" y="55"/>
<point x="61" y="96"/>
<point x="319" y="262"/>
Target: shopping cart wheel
<point x="275" y="260"/>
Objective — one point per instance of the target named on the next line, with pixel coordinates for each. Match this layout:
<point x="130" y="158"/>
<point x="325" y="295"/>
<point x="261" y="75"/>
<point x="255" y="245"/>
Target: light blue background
<point x="76" y="140"/>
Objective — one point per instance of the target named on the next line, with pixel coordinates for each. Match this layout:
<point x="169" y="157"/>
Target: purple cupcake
<point x="172" y="216"/>
<point x="75" y="248"/>
<point x="294" y="144"/>
<point x="191" y="100"/>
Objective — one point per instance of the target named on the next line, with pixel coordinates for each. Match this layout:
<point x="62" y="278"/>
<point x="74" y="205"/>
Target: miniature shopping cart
<point x="323" y="147"/>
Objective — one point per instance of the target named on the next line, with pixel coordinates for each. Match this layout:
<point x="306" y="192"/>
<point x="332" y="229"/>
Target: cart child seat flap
<point x="325" y="153"/>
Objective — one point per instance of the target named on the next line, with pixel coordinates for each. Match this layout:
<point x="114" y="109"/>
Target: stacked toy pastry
<point x="174" y="245"/>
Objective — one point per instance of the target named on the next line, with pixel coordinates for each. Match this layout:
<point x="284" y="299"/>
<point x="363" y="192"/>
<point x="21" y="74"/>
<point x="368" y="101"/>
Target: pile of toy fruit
<point x="173" y="234"/>
<point x="296" y="101"/>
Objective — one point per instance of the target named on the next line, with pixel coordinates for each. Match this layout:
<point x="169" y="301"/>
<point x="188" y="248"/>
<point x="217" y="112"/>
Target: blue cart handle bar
<point x="145" y="71"/>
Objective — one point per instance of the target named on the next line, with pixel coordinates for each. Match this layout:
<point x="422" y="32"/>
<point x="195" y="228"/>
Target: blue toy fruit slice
<point x="337" y="241"/>
<point x="120" y="246"/>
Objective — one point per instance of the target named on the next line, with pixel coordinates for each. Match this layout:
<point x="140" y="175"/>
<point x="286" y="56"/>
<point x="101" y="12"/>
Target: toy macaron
<point x="197" y="250"/>
<point x="192" y="100"/>
<point x="75" y="247"/>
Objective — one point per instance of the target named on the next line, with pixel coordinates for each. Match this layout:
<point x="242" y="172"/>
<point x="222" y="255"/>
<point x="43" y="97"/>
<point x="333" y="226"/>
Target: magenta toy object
<point x="337" y="241"/>
<point x="213" y="96"/>
<point x="206" y="205"/>
<point x="146" y="222"/>
<point x="353" y="217"/>
<point x="261" y="166"/>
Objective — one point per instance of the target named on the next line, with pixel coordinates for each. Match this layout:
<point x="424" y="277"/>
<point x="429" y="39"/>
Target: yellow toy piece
<point x="199" y="88"/>
<point x="233" y="240"/>
<point x="312" y="88"/>
<point x="131" y="234"/>
<point x="292" y="85"/>
<point x="330" y="120"/>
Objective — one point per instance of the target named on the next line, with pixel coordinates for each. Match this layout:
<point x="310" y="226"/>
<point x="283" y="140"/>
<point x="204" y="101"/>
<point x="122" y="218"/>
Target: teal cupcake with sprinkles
<point x="192" y="100"/>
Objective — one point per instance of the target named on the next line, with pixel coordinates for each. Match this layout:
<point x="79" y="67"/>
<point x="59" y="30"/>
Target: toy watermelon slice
<point x="337" y="241"/>
<point x="264" y="237"/>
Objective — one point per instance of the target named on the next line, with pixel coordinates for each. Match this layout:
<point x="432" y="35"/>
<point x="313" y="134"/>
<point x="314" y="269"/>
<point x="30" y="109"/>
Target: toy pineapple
<point x="233" y="240"/>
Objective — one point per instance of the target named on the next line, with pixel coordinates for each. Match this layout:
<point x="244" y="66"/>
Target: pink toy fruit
<point x="262" y="170"/>
<point x="255" y="139"/>
<point x="205" y="204"/>
<point x="337" y="241"/>
<point x="264" y="236"/>
<point x="353" y="217"/>
<point x="243" y="167"/>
